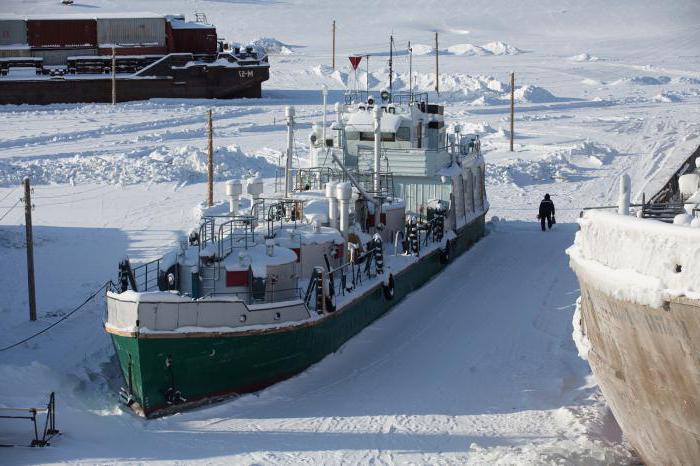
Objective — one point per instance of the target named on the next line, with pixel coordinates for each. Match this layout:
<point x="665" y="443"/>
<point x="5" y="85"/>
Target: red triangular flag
<point x="355" y="60"/>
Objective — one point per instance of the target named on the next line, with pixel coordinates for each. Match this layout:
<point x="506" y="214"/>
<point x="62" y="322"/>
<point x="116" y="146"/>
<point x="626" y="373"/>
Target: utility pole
<point x="512" y="109"/>
<point x="31" y="287"/>
<point x="367" y="75"/>
<point x="391" y="66"/>
<point x="437" y="69"/>
<point x="114" y="76"/>
<point x="210" y="164"/>
<point x="333" y="45"/>
<point x="410" y="69"/>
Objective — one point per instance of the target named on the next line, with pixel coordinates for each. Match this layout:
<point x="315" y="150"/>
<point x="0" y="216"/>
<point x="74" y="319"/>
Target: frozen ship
<point x="122" y="57"/>
<point x="259" y="293"/>
<point x="638" y="319"/>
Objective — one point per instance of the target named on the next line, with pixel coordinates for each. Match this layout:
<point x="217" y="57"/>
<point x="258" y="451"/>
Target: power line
<point x="59" y="320"/>
<point x="10" y="209"/>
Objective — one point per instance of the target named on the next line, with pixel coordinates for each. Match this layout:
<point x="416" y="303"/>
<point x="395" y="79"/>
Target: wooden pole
<point x="210" y="164"/>
<point x="367" y="75"/>
<point x="114" y="76"/>
<point x="437" y="68"/>
<point x="333" y="45"/>
<point x="31" y="288"/>
<point x="512" y="109"/>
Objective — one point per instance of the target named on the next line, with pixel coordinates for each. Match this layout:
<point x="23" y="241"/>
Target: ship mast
<point x="391" y="63"/>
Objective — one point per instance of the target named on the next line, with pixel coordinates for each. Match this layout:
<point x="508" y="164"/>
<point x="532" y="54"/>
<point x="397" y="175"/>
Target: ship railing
<point x="400" y="98"/>
<point x="315" y="178"/>
<point x="343" y="278"/>
<point x="266" y="296"/>
<point x="236" y="233"/>
<point x="281" y="212"/>
<point x="153" y="275"/>
<point x="663" y="211"/>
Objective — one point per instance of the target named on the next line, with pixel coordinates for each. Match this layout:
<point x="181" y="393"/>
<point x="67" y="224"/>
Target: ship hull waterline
<point x="208" y="368"/>
<point x="645" y="361"/>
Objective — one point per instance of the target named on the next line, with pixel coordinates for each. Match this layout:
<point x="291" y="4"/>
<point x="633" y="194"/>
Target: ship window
<point x="403" y="134"/>
<point x="243" y="318"/>
<point x="277" y="316"/>
<point x="390" y="137"/>
<point x="352" y="135"/>
<point x="366" y="136"/>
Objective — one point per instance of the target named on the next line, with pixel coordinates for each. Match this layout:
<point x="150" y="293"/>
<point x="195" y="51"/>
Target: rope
<point x="10" y="209"/>
<point x="8" y="194"/>
<point x="59" y="320"/>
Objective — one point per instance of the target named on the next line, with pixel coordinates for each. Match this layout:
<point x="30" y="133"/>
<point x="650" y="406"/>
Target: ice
<point x="479" y="366"/>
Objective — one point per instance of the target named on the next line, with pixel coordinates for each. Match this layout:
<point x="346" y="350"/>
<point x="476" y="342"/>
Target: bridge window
<point x="403" y="134"/>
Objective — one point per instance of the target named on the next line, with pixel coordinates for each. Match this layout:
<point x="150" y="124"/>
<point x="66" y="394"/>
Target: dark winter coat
<point x="546" y="208"/>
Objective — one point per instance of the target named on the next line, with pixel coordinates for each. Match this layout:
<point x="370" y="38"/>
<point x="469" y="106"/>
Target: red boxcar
<point x="62" y="32"/>
<point x="191" y="38"/>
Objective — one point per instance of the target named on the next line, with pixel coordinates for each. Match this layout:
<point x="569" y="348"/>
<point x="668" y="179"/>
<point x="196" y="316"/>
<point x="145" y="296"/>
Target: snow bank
<point x="562" y="164"/>
<point x="637" y="260"/>
<point x="271" y="46"/>
<point x="501" y="48"/>
<point x="467" y="49"/>
<point x="583" y="57"/>
<point x="159" y="165"/>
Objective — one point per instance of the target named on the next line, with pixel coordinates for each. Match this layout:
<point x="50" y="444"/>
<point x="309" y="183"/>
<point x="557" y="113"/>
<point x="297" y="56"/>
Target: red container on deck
<point x="62" y="32"/>
<point x="186" y="37"/>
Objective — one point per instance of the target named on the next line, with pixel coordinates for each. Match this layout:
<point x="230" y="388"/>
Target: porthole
<point x="243" y="318"/>
<point x="277" y="316"/>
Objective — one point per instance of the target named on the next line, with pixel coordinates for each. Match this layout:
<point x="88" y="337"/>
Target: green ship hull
<point x="206" y="368"/>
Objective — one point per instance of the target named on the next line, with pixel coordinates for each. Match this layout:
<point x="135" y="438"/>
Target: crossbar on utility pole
<point x="210" y="162"/>
<point x="512" y="109"/>
<point x="31" y="286"/>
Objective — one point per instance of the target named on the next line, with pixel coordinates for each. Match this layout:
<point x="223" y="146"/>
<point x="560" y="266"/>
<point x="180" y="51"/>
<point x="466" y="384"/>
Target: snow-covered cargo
<point x="131" y="31"/>
<point x="191" y="37"/>
<point x="13" y="32"/>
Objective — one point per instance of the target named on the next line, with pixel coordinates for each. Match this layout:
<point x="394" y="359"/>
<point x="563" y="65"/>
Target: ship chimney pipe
<point x="324" y="92"/>
<point x="344" y="193"/>
<point x="332" y="204"/>
<point x="623" y="207"/>
<point x="234" y="189"/>
<point x="377" y="146"/>
<point x="289" y="113"/>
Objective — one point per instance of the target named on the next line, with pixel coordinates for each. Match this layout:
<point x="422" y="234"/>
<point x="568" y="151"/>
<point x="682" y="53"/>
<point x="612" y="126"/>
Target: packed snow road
<point x="477" y="366"/>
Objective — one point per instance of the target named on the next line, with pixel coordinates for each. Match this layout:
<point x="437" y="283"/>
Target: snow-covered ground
<point x="489" y="374"/>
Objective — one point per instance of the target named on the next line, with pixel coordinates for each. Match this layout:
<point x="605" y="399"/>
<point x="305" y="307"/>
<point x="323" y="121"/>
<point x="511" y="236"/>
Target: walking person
<point x="546" y="212"/>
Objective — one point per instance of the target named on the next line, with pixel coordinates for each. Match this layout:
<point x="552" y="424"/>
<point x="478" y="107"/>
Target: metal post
<point x="391" y="65"/>
<point x="377" y="146"/>
<point x="114" y="76"/>
<point x="512" y="109"/>
<point x="290" y="151"/>
<point x="410" y="69"/>
<point x="333" y="45"/>
<point x="623" y="207"/>
<point x="437" y="69"/>
<point x="31" y="288"/>
<point x="324" y="92"/>
<point x="210" y="161"/>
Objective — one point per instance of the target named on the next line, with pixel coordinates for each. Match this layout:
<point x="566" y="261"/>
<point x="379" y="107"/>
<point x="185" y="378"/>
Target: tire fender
<point x="388" y="287"/>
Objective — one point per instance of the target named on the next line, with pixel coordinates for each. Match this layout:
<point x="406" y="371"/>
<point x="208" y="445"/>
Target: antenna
<point x="410" y="68"/>
<point x="391" y="64"/>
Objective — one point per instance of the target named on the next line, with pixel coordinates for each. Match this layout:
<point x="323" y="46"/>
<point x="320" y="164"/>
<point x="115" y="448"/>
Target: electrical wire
<point x="87" y="300"/>
<point x="10" y="209"/>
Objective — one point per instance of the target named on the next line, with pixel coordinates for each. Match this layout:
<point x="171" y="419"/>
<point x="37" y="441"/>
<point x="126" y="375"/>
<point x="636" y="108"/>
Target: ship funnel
<point x="344" y="193"/>
<point x="332" y="204"/>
